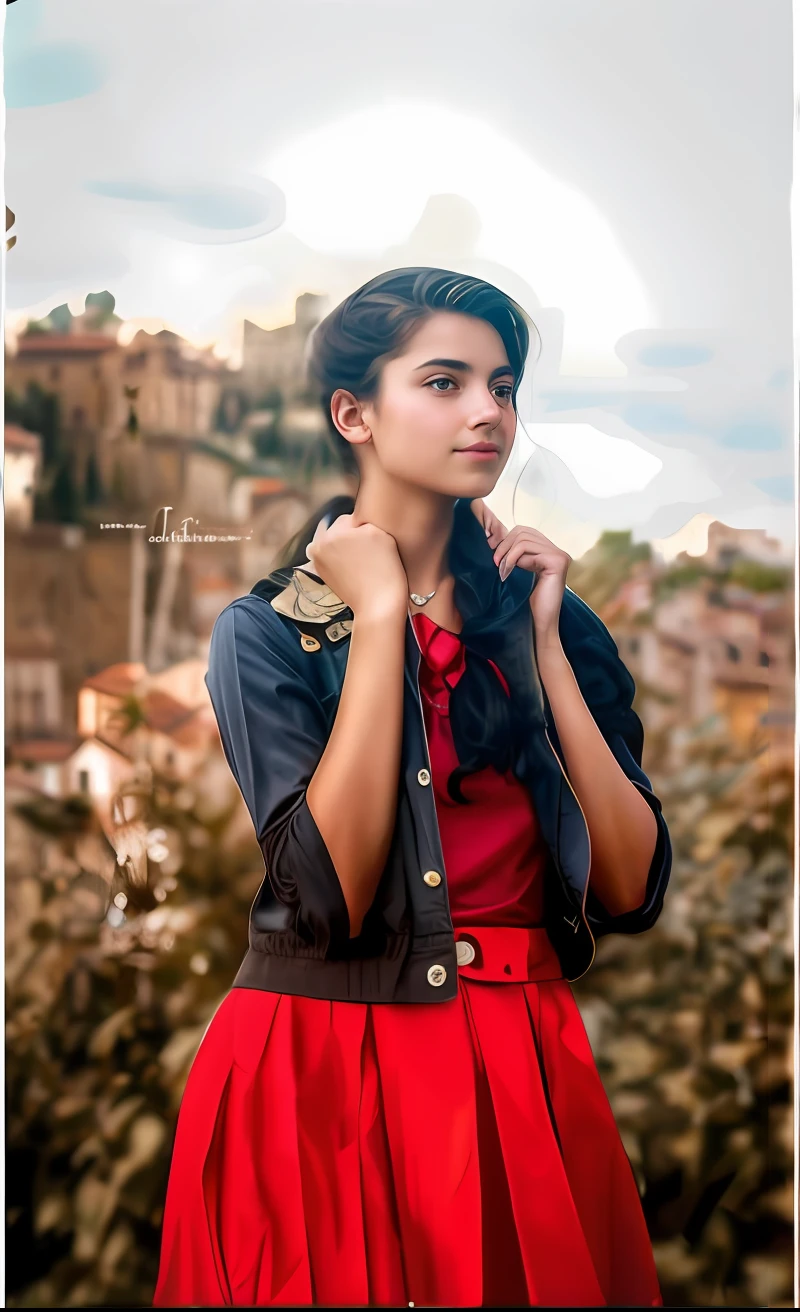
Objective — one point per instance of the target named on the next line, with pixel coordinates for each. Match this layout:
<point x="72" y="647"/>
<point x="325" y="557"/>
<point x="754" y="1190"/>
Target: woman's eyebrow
<point x="466" y="368"/>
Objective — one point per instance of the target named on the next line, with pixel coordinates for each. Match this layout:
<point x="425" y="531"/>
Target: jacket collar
<point x="483" y="601"/>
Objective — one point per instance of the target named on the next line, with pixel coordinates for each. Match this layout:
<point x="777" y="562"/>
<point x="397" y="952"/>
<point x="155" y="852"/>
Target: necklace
<point x="419" y="600"/>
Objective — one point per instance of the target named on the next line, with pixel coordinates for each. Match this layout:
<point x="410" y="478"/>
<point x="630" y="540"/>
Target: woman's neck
<point x="420" y="523"/>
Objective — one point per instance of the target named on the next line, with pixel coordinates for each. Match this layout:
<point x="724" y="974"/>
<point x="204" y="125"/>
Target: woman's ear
<point x="347" y="415"/>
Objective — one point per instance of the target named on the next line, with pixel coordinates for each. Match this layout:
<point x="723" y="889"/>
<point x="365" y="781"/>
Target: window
<point x="733" y="652"/>
<point x="83" y="780"/>
<point x="763" y="658"/>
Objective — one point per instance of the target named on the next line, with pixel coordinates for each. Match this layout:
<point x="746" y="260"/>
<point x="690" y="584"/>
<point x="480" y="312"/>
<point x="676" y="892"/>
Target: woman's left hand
<point x="532" y="551"/>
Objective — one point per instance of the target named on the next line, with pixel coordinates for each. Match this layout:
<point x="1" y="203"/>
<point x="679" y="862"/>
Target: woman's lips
<point x="480" y="451"/>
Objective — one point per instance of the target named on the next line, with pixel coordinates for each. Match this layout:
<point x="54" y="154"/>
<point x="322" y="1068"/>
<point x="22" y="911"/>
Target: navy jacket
<point x="277" y="661"/>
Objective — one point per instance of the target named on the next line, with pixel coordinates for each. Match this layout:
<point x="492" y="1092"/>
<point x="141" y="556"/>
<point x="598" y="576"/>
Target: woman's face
<point x="443" y="418"/>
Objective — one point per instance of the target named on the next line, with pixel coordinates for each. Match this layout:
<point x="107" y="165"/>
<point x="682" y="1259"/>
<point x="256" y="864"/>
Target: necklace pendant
<point x="419" y="600"/>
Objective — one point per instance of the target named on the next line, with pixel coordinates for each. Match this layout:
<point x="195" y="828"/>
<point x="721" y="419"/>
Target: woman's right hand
<point x="362" y="565"/>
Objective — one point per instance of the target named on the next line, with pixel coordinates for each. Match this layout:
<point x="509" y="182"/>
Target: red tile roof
<point x="61" y="344"/>
<point x="43" y="751"/>
<point x="17" y="438"/>
<point x="117" y="680"/>
<point x="163" y="712"/>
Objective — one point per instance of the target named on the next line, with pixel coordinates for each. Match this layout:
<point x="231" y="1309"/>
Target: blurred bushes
<point x="109" y="991"/>
<point x="114" y="972"/>
<point x="691" y="1024"/>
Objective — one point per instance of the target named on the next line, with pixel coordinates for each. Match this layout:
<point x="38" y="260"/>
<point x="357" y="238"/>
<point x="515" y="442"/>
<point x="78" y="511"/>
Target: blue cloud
<point x="220" y="209"/>
<point x="583" y="400"/>
<point x="674" y="355"/>
<point x="655" y="417"/>
<point x="780" y="486"/>
<point x="50" y="74"/>
<point x="762" y="436"/>
<point x="22" y="21"/>
<point x="233" y="207"/>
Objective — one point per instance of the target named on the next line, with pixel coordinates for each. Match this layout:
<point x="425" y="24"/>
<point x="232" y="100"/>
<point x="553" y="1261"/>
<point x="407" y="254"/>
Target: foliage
<point x="65" y="498"/>
<point x="39" y="412"/>
<point x="112" y="980"/>
<point x="758" y="577"/>
<point x="93" y="491"/>
<point x="109" y="990"/>
<point x="598" y="573"/>
<point x="129" y="716"/>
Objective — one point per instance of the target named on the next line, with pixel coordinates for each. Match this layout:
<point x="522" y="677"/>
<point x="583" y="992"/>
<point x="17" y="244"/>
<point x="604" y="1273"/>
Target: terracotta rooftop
<point x="117" y="680"/>
<point x="17" y="438"/>
<point x="163" y="712"/>
<point x="196" y="729"/>
<point x="43" y="751"/>
<point x="65" y="344"/>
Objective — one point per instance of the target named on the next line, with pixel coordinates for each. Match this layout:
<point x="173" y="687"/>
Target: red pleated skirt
<point x="454" y="1154"/>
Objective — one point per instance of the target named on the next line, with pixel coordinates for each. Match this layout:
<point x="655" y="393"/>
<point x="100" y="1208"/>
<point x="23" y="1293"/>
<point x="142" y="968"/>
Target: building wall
<point x="33" y="703"/>
<point x="18" y="487"/>
<point x="73" y="601"/>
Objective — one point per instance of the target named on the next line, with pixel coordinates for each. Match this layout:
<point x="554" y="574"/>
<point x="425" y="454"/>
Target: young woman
<point x="396" y="1104"/>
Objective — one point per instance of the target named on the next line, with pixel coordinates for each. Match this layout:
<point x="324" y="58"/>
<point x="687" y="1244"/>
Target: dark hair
<point x="348" y="349"/>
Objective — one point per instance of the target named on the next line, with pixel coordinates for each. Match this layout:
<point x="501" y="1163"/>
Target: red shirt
<point x="494" y="853"/>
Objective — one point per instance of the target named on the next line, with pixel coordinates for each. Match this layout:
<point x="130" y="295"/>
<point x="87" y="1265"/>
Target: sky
<point x="622" y="169"/>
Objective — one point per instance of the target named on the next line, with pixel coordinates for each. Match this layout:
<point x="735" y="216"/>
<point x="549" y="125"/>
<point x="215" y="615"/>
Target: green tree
<point x="64" y="496"/>
<point x="93" y="490"/>
<point x="110" y="986"/>
<point x="597" y="575"/>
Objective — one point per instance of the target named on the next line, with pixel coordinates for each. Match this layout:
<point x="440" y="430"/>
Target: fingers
<point x="495" y="531"/>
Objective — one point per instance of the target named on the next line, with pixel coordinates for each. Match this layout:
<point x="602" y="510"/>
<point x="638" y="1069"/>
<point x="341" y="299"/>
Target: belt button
<point x="437" y="975"/>
<point x="465" y="952"/>
<point x="423" y="777"/>
<point x="432" y="878"/>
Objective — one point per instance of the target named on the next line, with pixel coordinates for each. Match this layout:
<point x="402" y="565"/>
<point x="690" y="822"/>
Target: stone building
<point x="275" y="357"/>
<point x="22" y="463"/>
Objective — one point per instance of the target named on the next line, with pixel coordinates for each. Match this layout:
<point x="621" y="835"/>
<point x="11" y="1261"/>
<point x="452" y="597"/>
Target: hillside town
<point x="130" y="858"/>
<point x="160" y="434"/>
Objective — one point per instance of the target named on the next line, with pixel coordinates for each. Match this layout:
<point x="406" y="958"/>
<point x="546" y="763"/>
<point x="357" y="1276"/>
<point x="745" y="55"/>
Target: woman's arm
<point x="277" y="737"/>
<point x="622" y="827"/>
<point x="353" y="792"/>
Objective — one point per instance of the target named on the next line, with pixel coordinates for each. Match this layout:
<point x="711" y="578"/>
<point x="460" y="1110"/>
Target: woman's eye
<point x="507" y="391"/>
<point x="434" y="381"/>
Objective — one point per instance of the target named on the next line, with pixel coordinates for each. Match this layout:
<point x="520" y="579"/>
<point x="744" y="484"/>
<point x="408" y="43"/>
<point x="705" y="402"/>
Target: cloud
<point x="753" y="436"/>
<point x="210" y="213"/>
<point x="51" y="74"/>
<point x="674" y="355"/>
<point x="652" y="417"/>
<point x="780" y="486"/>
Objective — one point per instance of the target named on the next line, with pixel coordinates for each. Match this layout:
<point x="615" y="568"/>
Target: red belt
<point x="502" y="954"/>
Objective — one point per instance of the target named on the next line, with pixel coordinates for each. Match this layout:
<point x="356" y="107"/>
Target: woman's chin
<point x="478" y="484"/>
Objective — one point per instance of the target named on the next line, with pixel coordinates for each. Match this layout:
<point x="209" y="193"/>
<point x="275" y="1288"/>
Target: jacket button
<point x="437" y="975"/>
<point x="465" y="952"/>
<point x="432" y="878"/>
<point x="424" y="777"/>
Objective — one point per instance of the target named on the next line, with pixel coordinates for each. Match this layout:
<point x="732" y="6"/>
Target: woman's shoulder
<point x="247" y="621"/>
<point x="580" y="621"/>
<point x="602" y="675"/>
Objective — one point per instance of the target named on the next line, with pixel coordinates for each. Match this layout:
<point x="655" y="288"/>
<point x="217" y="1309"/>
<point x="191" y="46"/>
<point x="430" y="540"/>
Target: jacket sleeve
<point x="608" y="690"/>
<point x="274" y="730"/>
